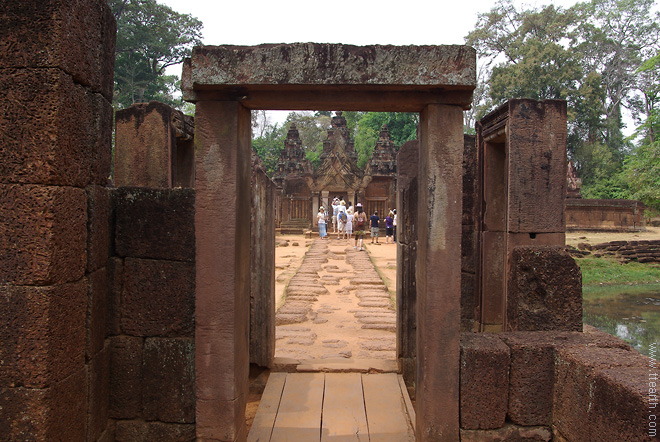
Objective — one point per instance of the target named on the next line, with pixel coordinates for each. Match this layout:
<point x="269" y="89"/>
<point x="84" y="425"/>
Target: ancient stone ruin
<point x="132" y="313"/>
<point x="304" y="190"/>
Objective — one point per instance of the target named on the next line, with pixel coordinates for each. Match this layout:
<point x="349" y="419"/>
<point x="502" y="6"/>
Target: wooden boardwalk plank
<point x="386" y="410"/>
<point x="299" y="416"/>
<point x="264" y="420"/>
<point x="344" y="418"/>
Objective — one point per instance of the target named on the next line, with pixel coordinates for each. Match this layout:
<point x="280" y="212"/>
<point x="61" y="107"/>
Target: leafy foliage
<point x="150" y="37"/>
<point x="590" y="55"/>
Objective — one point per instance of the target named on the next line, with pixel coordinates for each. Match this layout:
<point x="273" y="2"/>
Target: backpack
<point x="342" y="216"/>
<point x="360" y="221"/>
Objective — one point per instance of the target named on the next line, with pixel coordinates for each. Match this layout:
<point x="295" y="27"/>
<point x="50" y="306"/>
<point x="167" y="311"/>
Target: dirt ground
<point x="574" y="238"/>
<point x="337" y="306"/>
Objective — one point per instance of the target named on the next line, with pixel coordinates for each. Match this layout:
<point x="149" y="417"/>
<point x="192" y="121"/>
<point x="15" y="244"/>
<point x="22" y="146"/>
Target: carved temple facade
<point x="303" y="190"/>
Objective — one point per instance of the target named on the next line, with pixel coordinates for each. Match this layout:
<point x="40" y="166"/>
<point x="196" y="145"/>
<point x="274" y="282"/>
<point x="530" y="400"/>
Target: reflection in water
<point x="630" y="313"/>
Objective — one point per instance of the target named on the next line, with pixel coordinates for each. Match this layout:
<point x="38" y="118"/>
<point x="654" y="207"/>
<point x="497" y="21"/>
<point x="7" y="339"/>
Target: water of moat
<point x="631" y="313"/>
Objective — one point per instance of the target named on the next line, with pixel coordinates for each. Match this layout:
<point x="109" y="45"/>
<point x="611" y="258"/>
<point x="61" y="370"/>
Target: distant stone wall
<point x="543" y="386"/>
<point x="605" y="215"/>
<point x="152" y="315"/>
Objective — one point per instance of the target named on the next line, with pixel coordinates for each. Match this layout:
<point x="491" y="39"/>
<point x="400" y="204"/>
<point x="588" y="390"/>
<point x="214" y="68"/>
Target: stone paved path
<point x="336" y="307"/>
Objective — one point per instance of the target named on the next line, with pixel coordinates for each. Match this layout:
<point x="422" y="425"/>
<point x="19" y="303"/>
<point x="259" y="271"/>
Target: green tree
<point x="401" y="125"/>
<point x="150" y="37"/>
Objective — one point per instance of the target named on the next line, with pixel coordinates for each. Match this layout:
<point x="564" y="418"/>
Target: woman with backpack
<point x="360" y="222"/>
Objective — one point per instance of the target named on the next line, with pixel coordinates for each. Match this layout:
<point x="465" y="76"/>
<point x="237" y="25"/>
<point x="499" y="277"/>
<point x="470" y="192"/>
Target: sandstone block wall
<point x="153" y="147"/>
<point x="605" y="215"/>
<point x="55" y="122"/>
<point x="543" y="386"/>
<point x="152" y="315"/>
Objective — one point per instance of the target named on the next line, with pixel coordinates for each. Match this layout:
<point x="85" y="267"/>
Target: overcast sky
<point x="357" y="22"/>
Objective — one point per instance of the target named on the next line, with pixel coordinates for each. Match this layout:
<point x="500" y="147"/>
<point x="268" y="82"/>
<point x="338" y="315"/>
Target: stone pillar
<point x="56" y="70"/>
<point x="315" y="207"/>
<point x="439" y="272"/>
<point x="351" y="197"/>
<point x="406" y="287"/>
<point x="325" y="199"/>
<point x="222" y="231"/>
<point x="262" y="273"/>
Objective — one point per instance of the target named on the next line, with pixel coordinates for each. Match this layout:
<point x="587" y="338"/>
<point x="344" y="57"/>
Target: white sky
<point x="357" y="22"/>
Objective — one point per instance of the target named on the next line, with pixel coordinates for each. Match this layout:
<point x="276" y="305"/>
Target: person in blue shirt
<point x="374" y="227"/>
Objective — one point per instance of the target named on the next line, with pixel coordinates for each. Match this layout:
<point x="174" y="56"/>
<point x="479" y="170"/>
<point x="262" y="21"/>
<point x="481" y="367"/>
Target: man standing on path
<point x="374" y="227"/>
<point x="335" y="212"/>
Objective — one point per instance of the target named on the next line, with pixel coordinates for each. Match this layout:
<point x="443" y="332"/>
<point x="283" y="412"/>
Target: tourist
<point x="320" y="220"/>
<point x="341" y="220"/>
<point x="389" y="228"/>
<point x="360" y="221"/>
<point x="394" y="223"/>
<point x="335" y="212"/>
<point x="348" y="228"/>
<point x="374" y="227"/>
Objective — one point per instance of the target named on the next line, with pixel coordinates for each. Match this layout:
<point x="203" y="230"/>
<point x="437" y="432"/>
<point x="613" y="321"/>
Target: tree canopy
<point x="150" y="37"/>
<point x="599" y="56"/>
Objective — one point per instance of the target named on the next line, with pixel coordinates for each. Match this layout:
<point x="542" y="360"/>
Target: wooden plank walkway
<point x="337" y="407"/>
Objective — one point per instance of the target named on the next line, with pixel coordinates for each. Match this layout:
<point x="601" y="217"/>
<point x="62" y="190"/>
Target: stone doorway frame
<point x="226" y="82"/>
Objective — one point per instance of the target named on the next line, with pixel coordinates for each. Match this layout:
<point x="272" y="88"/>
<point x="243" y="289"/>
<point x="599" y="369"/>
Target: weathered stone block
<point x="98" y="227"/>
<point x="537" y="165"/>
<point x="98" y="395"/>
<point x="155" y="223"/>
<point x="469" y="180"/>
<point x="158" y="298"/>
<point x="602" y="393"/>
<point x="484" y="381"/>
<point x="43" y="234"/>
<point x="43" y="140"/>
<point x="42" y="333"/>
<point x="115" y="287"/>
<point x="531" y="377"/>
<point x="468" y="302"/>
<point x="469" y="249"/>
<point x="77" y="36"/>
<point x="30" y="414"/>
<point x="144" y="145"/>
<point x="407" y="77"/>
<point x="125" y="397"/>
<point x="532" y="374"/>
<point x="168" y="370"/>
<point x="140" y="431"/>
<point x="544" y="290"/>
<point x="100" y="123"/>
<point x="97" y="311"/>
<point x="508" y="433"/>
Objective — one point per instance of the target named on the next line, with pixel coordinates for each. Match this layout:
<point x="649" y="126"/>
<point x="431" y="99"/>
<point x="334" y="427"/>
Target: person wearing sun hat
<point x="320" y="220"/>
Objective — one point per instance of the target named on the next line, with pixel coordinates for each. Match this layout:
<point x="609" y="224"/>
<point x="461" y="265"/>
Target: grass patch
<point x="609" y="271"/>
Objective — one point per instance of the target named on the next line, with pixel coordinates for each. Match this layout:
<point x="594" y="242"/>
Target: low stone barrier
<point x="542" y="386"/>
<point x="626" y="251"/>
